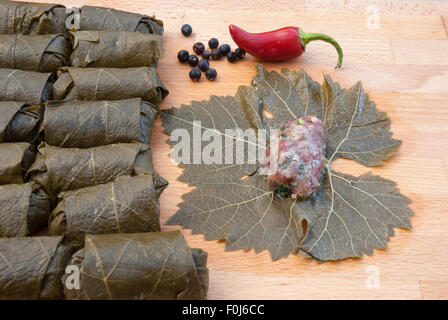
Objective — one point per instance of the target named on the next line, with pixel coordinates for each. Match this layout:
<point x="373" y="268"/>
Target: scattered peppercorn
<point x="216" y="54"/>
<point x="193" y="60"/>
<point x="195" y="74"/>
<point x="206" y="54"/>
<point x="203" y="65"/>
<point x="225" y="49"/>
<point x="231" y="57"/>
<point x="183" y="55"/>
<point x="211" y="74"/>
<point x="198" y="47"/>
<point x="186" y="30"/>
<point x="240" y="53"/>
<point x="213" y="43"/>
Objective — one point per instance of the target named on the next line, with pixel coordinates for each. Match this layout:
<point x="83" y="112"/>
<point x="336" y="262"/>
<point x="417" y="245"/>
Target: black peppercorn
<point x="213" y="43"/>
<point x="240" y="53"/>
<point x="186" y="30"/>
<point x="195" y="74"/>
<point x="231" y="57"/>
<point x="193" y="60"/>
<point x="225" y="49"/>
<point x="198" y="47"/>
<point x="206" y="54"/>
<point x="211" y="74"/>
<point x="216" y="54"/>
<point x="183" y="55"/>
<point x="203" y="65"/>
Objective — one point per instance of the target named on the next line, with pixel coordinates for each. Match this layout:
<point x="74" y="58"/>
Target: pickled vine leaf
<point x="115" y="49"/>
<point x="98" y="18"/>
<point x="40" y="53"/>
<point x="347" y="217"/>
<point x="32" y="267"/>
<point x="145" y="266"/>
<point x="18" y="17"/>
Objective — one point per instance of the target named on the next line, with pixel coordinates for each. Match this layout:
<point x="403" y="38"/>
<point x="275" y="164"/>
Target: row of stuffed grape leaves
<point x="155" y="265"/>
<point x="83" y="164"/>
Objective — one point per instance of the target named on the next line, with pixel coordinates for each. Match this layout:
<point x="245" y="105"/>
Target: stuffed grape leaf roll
<point x="24" y="208"/>
<point x="19" y="122"/>
<point x="41" y="53"/>
<point x="31" y="268"/>
<point x="109" y="84"/>
<point x="86" y="124"/>
<point x="25" y="86"/>
<point x="64" y="169"/>
<point x="31" y="18"/>
<point x="15" y="159"/>
<point x="97" y="18"/>
<point x="115" y="49"/>
<point x="128" y="204"/>
<point x="156" y="265"/>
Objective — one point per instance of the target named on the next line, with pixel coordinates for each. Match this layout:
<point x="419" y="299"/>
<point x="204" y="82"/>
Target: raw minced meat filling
<point x="301" y="157"/>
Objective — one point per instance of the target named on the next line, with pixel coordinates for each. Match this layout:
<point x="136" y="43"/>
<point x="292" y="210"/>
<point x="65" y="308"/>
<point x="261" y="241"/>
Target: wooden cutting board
<point x="404" y="67"/>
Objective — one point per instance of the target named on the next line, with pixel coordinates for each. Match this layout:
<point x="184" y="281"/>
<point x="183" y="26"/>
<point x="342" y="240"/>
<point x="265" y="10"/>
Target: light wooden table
<point x="404" y="67"/>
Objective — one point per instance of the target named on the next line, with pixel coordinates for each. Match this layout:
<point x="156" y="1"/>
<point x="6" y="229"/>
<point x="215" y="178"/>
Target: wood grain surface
<point x="404" y="67"/>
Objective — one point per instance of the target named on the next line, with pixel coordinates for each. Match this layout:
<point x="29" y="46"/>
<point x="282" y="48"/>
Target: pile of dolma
<point x="154" y="265"/>
<point x="77" y="181"/>
<point x="43" y="18"/>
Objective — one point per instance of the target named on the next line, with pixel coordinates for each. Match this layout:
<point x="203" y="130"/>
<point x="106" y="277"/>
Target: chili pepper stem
<point x="306" y="38"/>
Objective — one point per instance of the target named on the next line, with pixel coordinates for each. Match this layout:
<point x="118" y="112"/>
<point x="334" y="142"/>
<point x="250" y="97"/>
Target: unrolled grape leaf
<point x="347" y="217"/>
<point x="356" y="129"/>
<point x="216" y="115"/>
<point x="357" y="214"/>
<point x="245" y="213"/>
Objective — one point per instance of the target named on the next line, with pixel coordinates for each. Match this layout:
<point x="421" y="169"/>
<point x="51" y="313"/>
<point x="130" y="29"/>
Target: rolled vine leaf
<point x="15" y="160"/>
<point x="32" y="267"/>
<point x="153" y="265"/>
<point x="25" y="86"/>
<point x="98" y="18"/>
<point x="19" y="122"/>
<point x="347" y="216"/>
<point x="115" y="49"/>
<point x="91" y="84"/>
<point x="40" y="53"/>
<point x="86" y="124"/>
<point x="31" y="18"/>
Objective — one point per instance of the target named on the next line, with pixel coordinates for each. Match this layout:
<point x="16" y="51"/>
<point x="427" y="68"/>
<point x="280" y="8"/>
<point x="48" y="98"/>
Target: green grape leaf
<point x="357" y="214"/>
<point x="356" y="129"/>
<point x="347" y="217"/>
<point x="245" y="213"/>
<point x="216" y="116"/>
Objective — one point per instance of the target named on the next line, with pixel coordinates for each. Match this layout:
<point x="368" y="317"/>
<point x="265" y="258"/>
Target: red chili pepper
<point x="282" y="44"/>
